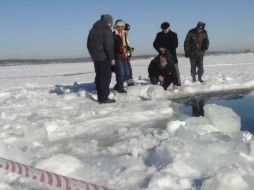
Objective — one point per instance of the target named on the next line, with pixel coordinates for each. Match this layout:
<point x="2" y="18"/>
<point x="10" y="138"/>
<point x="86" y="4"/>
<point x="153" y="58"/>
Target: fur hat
<point x="120" y="23"/>
<point x="165" y="25"/>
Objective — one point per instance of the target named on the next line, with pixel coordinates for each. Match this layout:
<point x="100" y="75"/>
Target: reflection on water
<point x="198" y="107"/>
<point x="241" y="101"/>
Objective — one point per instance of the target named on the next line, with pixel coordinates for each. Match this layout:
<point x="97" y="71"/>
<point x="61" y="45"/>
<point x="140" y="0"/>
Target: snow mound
<point x="224" y="119"/>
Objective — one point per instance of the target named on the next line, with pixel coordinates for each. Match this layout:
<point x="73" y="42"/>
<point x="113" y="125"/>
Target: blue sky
<point x="59" y="28"/>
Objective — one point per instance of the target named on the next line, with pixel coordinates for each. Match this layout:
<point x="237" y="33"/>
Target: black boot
<point x="194" y="79"/>
<point x="107" y="101"/>
<point x="200" y="79"/>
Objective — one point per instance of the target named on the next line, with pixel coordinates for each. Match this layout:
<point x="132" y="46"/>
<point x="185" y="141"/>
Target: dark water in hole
<point x="241" y="101"/>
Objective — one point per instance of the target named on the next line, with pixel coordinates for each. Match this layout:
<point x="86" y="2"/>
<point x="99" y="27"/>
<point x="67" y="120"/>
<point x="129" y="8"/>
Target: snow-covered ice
<point x="48" y="121"/>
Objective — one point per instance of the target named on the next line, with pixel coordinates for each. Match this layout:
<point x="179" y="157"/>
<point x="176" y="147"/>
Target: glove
<point x="113" y="68"/>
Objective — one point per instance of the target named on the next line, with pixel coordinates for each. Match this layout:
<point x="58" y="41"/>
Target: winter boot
<point x="200" y="79"/>
<point x="194" y="78"/>
<point x="130" y="82"/>
<point x="107" y="101"/>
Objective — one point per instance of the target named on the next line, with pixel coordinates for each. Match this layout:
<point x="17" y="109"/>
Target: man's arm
<point x="175" y="41"/>
<point x="187" y="44"/>
<point x="109" y="45"/>
<point x="206" y="42"/>
<point x="156" y="44"/>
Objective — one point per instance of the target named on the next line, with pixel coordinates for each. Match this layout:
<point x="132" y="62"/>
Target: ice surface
<point x="224" y="119"/>
<point x="48" y="121"/>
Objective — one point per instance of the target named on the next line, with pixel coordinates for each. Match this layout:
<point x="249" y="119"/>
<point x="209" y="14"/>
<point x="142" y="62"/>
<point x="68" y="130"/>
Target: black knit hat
<point x="165" y="25"/>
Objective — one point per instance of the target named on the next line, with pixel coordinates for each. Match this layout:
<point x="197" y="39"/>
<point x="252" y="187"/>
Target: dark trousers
<point x="176" y="75"/>
<point x="167" y="81"/>
<point x="102" y="79"/>
<point x="197" y="62"/>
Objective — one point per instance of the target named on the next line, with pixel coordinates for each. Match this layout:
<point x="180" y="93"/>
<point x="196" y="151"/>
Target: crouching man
<point x="161" y="69"/>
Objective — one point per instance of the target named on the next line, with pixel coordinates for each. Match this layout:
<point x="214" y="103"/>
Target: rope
<point x="47" y="178"/>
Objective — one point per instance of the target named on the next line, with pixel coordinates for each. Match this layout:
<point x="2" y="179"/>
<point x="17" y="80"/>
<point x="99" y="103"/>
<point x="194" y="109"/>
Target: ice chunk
<point x="156" y="92"/>
<point x="147" y="91"/>
<point x="200" y="125"/>
<point x="223" y="118"/>
<point x="222" y="181"/>
<point x="60" y="164"/>
<point x="185" y="134"/>
<point x="172" y="126"/>
<point x="165" y="181"/>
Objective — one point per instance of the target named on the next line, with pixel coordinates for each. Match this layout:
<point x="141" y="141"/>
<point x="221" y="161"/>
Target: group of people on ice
<point x="111" y="51"/>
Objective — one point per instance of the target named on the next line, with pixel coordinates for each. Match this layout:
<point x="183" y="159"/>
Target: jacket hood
<point x="100" y="24"/>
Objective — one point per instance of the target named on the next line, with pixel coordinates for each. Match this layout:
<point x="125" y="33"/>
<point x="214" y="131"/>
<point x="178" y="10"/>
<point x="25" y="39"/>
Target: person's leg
<point x="103" y="80"/>
<point x="97" y="79"/>
<point x="130" y="80"/>
<point x="178" y="78"/>
<point x="119" y="74"/>
<point x="126" y="70"/>
<point x="167" y="81"/>
<point x="154" y="80"/>
<point x="200" y="67"/>
<point x="176" y="75"/>
<point x="193" y="62"/>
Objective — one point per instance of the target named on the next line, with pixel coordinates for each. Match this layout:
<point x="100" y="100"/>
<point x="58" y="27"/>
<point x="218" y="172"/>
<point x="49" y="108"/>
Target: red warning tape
<point x="47" y="178"/>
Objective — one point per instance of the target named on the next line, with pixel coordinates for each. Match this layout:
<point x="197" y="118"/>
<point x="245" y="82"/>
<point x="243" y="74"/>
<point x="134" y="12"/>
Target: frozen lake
<point x="143" y="141"/>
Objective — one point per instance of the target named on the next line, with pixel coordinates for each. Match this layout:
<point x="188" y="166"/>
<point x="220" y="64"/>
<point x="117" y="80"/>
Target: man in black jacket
<point x="161" y="69"/>
<point x="167" y="40"/>
<point x="100" y="44"/>
<point x="195" y="44"/>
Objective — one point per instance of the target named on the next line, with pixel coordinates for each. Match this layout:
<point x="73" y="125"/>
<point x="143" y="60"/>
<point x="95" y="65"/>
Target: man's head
<point x="200" y="26"/>
<point x="127" y="28"/>
<point x="165" y="27"/>
<point x="163" y="55"/>
<point x="120" y="25"/>
<point x="108" y="19"/>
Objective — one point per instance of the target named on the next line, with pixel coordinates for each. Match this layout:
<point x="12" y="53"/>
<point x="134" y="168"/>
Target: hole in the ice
<point x="240" y="101"/>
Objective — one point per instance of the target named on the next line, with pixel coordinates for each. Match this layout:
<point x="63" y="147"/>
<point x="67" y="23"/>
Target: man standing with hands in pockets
<point x="100" y="44"/>
<point x="195" y="45"/>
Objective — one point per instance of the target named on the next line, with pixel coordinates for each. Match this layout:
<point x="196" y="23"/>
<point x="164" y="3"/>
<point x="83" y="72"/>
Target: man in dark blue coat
<point x="100" y="44"/>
